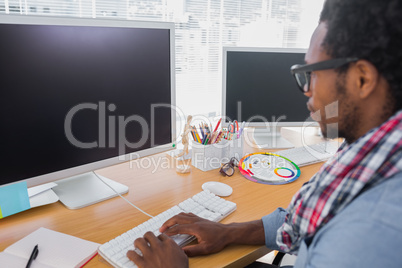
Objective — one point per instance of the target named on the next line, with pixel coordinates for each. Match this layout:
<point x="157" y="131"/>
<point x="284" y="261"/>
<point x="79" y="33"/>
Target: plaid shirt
<point x="355" y="168"/>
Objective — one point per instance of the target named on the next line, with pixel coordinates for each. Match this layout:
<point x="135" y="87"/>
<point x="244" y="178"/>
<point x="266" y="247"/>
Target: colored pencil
<point x="217" y="125"/>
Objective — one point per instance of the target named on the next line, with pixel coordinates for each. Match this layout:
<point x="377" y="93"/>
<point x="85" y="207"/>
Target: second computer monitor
<point x="259" y="89"/>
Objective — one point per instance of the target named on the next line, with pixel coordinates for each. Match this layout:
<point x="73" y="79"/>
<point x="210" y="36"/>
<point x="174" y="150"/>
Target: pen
<point x="34" y="254"/>
<point x="217" y="125"/>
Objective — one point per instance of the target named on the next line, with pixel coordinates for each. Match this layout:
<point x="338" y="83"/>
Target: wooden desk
<point x="154" y="187"/>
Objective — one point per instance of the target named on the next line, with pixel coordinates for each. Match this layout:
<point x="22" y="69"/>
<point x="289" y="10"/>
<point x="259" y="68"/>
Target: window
<point x="203" y="27"/>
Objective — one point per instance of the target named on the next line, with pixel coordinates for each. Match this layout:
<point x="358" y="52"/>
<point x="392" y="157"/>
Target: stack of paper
<point x="55" y="250"/>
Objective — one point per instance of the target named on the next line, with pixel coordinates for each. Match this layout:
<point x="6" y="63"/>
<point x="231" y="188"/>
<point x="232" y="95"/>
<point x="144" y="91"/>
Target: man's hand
<point x="211" y="236"/>
<point x="159" y="251"/>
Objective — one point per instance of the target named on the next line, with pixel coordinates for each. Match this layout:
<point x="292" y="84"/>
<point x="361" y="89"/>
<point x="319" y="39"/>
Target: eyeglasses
<point x="302" y="73"/>
<point x="228" y="169"/>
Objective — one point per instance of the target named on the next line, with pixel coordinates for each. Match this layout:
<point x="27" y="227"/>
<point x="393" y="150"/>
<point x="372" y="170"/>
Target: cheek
<point x="328" y="109"/>
<point x="324" y="98"/>
<point x="332" y="110"/>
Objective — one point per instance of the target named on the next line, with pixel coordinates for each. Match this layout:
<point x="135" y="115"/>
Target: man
<point x="349" y="214"/>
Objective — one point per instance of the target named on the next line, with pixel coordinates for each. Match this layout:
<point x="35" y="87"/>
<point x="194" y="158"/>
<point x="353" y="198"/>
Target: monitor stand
<point x="265" y="138"/>
<point x="86" y="189"/>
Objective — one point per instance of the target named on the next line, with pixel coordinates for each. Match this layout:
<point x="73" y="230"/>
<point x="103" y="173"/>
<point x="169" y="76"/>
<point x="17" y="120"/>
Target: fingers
<point x="141" y="244"/>
<point x="196" y="250"/>
<point x="163" y="237"/>
<point x="181" y="218"/>
<point x="151" y="238"/>
<point x="189" y="229"/>
<point x="144" y="245"/>
<point x="137" y="259"/>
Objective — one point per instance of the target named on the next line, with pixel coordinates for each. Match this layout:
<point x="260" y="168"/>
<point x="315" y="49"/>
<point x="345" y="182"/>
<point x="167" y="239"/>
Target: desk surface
<point x="155" y="187"/>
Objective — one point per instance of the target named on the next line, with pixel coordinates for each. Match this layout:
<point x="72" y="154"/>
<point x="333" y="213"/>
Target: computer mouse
<point x="217" y="188"/>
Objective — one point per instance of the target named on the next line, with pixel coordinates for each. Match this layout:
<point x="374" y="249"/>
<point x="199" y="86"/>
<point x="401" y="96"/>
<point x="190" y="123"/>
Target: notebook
<point x="55" y="250"/>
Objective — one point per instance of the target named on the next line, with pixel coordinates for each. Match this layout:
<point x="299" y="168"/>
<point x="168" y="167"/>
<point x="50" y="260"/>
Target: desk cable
<point x="122" y="196"/>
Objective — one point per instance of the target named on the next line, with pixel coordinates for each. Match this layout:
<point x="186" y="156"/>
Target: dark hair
<point x="370" y="30"/>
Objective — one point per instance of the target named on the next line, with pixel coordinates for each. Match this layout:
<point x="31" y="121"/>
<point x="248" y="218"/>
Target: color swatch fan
<point x="268" y="168"/>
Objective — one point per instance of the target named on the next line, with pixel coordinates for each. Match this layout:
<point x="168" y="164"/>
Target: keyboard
<point x="204" y="204"/>
<point x="310" y="154"/>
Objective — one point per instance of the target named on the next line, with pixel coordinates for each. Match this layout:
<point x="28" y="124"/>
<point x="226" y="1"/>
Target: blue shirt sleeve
<point x="271" y="223"/>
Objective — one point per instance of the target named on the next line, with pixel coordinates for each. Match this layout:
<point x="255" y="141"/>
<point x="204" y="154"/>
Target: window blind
<point x="203" y="27"/>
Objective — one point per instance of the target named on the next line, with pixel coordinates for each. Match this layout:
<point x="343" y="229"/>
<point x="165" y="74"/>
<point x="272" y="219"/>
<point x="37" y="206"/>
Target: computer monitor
<point x="259" y="89"/>
<point x="82" y="94"/>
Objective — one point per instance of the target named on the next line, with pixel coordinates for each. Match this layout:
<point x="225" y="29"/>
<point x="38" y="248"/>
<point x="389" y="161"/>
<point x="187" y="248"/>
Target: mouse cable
<point x="125" y="199"/>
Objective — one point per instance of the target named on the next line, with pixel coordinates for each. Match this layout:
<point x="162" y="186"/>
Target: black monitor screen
<point x="260" y="87"/>
<point x="72" y="95"/>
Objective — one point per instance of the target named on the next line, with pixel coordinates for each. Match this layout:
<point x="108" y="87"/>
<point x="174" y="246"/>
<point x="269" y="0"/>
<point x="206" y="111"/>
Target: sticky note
<point x="13" y="199"/>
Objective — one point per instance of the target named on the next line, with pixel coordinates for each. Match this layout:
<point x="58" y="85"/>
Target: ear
<point x="366" y="78"/>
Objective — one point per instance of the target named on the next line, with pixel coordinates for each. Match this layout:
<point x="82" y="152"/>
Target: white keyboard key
<point x="106" y="246"/>
<point x="130" y="265"/>
<point x="121" y="262"/>
<point x="157" y="233"/>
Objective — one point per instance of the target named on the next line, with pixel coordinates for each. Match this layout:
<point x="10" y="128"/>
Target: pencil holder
<point x="233" y="148"/>
<point x="209" y="157"/>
